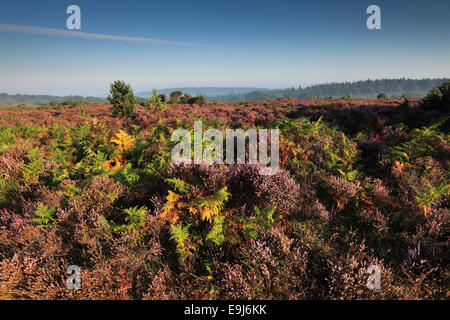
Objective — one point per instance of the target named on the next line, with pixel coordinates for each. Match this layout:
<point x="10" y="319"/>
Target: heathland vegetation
<point x="361" y="182"/>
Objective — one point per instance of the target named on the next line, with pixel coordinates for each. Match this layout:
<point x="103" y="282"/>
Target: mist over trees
<point x="358" y="89"/>
<point x="34" y="99"/>
<point x="205" y="91"/>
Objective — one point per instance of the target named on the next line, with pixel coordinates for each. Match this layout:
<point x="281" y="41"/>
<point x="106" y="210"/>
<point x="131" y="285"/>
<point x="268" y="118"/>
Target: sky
<point x="270" y="44"/>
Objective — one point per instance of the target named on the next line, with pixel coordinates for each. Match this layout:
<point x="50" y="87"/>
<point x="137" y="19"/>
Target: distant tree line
<point x="382" y="88"/>
<point x="204" y="91"/>
<point x="32" y="99"/>
<point x="178" y="97"/>
<point x="358" y="89"/>
<point x="121" y="96"/>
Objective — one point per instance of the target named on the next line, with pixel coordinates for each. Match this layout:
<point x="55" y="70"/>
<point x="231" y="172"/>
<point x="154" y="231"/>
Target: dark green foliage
<point x="155" y="102"/>
<point x="438" y="99"/>
<point x="360" y="89"/>
<point x="175" y="96"/>
<point x="54" y="104"/>
<point x="349" y="97"/>
<point x="74" y="103"/>
<point x="186" y="99"/>
<point x="163" y="97"/>
<point x="122" y="99"/>
<point x="200" y="100"/>
<point x="30" y="99"/>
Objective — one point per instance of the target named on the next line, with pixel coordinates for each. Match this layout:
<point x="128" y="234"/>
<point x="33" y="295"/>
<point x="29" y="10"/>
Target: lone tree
<point x="122" y="99"/>
<point x="382" y="96"/>
<point x="174" y="96"/>
<point x="200" y="100"/>
<point x="186" y="99"/>
<point x="155" y="102"/>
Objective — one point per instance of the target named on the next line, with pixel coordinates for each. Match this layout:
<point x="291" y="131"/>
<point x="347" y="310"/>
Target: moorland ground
<point x="361" y="182"/>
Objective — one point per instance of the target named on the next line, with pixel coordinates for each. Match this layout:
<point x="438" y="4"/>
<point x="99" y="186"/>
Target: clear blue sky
<point x="238" y="43"/>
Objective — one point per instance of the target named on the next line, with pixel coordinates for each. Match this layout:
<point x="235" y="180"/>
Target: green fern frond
<point x="216" y="234"/>
<point x="135" y="216"/>
<point x="178" y="184"/>
<point x="178" y="233"/>
<point x="34" y="167"/>
<point x="44" y="214"/>
<point x="211" y="206"/>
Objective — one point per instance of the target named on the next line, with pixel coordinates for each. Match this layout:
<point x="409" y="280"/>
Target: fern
<point x="171" y="209"/>
<point x="34" y="168"/>
<point x="135" y="217"/>
<point x="181" y="235"/>
<point x="128" y="175"/>
<point x="7" y="187"/>
<point x="265" y="216"/>
<point x="6" y="138"/>
<point x="216" y="234"/>
<point x="155" y="102"/>
<point x="426" y="199"/>
<point x="251" y="229"/>
<point x="424" y="142"/>
<point x="44" y="214"/>
<point x="124" y="141"/>
<point x="263" y="220"/>
<point x="350" y="175"/>
<point x="210" y="207"/>
<point x="71" y="190"/>
<point x="178" y="184"/>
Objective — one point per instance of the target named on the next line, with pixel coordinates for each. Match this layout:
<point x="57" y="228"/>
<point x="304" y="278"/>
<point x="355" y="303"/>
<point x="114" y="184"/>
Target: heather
<point x="361" y="182"/>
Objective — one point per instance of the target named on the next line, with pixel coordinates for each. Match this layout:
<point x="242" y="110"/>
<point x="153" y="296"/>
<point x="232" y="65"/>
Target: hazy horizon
<point x="192" y="87"/>
<point x="196" y="90"/>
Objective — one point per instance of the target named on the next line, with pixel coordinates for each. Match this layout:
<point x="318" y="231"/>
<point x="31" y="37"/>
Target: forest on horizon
<point x="394" y="88"/>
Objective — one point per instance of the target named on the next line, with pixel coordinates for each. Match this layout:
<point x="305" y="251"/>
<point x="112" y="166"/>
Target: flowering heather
<point x="361" y="183"/>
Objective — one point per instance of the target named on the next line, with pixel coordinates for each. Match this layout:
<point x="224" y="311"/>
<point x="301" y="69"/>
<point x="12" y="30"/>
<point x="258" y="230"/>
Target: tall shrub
<point x="175" y="96"/>
<point x="122" y="99"/>
<point x="155" y="102"/>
